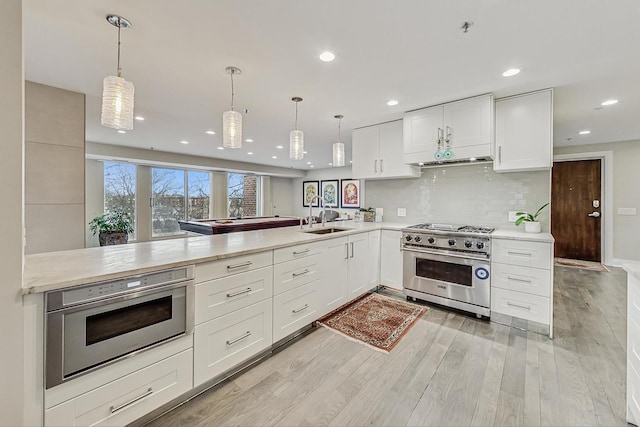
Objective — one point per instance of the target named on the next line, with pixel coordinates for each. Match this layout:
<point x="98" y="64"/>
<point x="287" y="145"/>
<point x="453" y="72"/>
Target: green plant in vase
<point x="113" y="227"/>
<point x="531" y="223"/>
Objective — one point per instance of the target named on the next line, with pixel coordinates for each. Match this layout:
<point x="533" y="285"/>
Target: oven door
<point x="453" y="277"/>
<point x="83" y="337"/>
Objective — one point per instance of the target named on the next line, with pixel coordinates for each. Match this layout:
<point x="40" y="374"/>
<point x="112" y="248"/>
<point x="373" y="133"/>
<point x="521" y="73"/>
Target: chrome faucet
<point x="313" y="199"/>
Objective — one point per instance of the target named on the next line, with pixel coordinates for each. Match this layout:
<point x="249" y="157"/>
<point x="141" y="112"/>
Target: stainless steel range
<point x="448" y="265"/>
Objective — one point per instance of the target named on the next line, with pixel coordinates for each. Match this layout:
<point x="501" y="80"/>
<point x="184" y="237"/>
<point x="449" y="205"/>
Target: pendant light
<point x="117" y="93"/>
<point x="296" y="137"/>
<point x="232" y="120"/>
<point x="338" y="147"/>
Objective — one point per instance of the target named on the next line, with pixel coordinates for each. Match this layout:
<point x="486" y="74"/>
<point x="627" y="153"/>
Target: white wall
<point x="626" y="177"/>
<point x="94" y="199"/>
<point x="11" y="226"/>
<point x="319" y="175"/>
<point x="281" y="197"/>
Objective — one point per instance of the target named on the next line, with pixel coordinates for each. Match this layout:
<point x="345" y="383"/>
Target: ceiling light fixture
<point x="122" y="131"/>
<point x="609" y="102"/>
<point x="248" y="140"/>
<point x="250" y="153"/>
<point x="184" y="142"/>
<point x="392" y="102"/>
<point x="338" y="147"/>
<point x="511" y="72"/>
<point x="296" y="137"/>
<point x="210" y="132"/>
<point x="279" y="147"/>
<point x="117" y="93"/>
<point x="327" y="56"/>
<point x="232" y="120"/>
<point x="139" y="118"/>
<point x="584" y="132"/>
<point x="274" y="157"/>
<point x="220" y="148"/>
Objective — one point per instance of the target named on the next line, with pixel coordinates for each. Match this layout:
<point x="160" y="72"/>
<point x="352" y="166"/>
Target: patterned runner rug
<point x="374" y="320"/>
<point x="576" y="263"/>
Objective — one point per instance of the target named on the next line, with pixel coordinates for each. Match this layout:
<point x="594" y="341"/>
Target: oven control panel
<point x="449" y="242"/>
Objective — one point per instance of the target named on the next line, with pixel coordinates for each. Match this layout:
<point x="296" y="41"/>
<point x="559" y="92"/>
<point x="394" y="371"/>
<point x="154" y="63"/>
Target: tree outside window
<point x="120" y="189"/>
<point x="242" y="195"/>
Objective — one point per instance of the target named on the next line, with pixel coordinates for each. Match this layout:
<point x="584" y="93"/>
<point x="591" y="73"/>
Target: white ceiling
<point x="409" y="50"/>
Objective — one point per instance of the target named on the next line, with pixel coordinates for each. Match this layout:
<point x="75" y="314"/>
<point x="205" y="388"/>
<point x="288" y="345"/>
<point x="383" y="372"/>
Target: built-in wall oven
<point x="448" y="265"/>
<point x="92" y="325"/>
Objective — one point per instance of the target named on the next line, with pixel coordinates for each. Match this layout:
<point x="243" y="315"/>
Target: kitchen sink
<point x="326" y="230"/>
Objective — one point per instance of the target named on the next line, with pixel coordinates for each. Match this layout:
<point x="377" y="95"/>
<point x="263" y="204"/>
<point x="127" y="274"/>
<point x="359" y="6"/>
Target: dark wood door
<point x="575" y="219"/>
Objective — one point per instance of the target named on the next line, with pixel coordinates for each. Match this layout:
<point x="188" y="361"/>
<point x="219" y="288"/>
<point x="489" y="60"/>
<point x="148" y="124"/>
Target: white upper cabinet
<point x="465" y="127"/>
<point x="524" y="132"/>
<point x="377" y="153"/>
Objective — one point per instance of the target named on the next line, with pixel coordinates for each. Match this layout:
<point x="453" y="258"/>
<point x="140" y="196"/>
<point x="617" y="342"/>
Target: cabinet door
<point x="365" y="152"/>
<point x="420" y="136"/>
<point x="357" y="282"/>
<point x="391" y="158"/>
<point x="374" y="258"/>
<point x="333" y="291"/>
<point x="524" y="132"/>
<point x="391" y="259"/>
<point x="468" y="123"/>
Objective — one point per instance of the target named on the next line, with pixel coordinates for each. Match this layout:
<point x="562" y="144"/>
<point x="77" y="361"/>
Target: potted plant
<point x="113" y="227"/>
<point x="369" y="214"/>
<point x="531" y="223"/>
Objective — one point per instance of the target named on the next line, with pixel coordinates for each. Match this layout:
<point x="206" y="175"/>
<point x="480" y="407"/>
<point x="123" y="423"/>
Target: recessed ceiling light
<point x="210" y="132"/>
<point x="279" y="147"/>
<point x="330" y="164"/>
<point x="584" y="132"/>
<point x="220" y="148"/>
<point x="248" y="140"/>
<point x="274" y="157"/>
<point x="308" y="163"/>
<point x="310" y="166"/>
<point x="327" y="56"/>
<point x="472" y="159"/>
<point x="122" y="131"/>
<point x="511" y="72"/>
<point x="609" y="102"/>
<point x="140" y="118"/>
<point x="304" y="152"/>
<point x="392" y="102"/>
<point x="250" y="153"/>
<point x="350" y="161"/>
<point x="184" y="142"/>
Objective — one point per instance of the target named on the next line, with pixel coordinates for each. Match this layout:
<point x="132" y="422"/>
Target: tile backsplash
<point x="464" y="194"/>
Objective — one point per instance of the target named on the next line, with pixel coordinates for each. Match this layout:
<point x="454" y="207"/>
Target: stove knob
<point x="418" y="239"/>
<point x="468" y="243"/>
<point x="452" y="242"/>
<point x="480" y="245"/>
<point x="431" y="240"/>
<point x="408" y="238"/>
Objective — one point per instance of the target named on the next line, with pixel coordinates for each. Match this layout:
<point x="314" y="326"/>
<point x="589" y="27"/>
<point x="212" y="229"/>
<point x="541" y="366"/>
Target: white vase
<point x="532" y="226"/>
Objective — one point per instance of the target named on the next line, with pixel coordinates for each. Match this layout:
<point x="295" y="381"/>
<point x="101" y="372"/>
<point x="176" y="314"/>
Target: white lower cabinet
<point x="391" y="259"/>
<point x="374" y="258"/>
<point x="222" y="343"/>
<point x="332" y="292"/>
<point x="128" y="398"/>
<point x="294" y="309"/>
<point x="358" y="264"/>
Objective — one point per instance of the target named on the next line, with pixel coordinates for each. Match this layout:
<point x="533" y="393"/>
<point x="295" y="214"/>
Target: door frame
<point x="606" y="169"/>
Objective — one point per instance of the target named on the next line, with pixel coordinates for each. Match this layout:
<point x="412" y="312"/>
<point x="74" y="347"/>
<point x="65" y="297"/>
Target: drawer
<point x="521" y="305"/>
<point x="128" y="398"/>
<point x="227" y="341"/>
<point x="521" y="279"/>
<point x="297" y="252"/>
<point x="228" y="266"/>
<point x="523" y="253"/>
<point x="218" y="297"/>
<point x="633" y="395"/>
<point x="294" y="310"/>
<point x="291" y="274"/>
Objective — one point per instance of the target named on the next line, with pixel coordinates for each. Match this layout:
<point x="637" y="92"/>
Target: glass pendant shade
<point x="117" y="103"/>
<point x="338" y="154"/>
<point x="296" y="145"/>
<point x="232" y="129"/>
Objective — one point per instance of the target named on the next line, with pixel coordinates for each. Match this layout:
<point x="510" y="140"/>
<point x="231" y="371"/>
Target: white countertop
<point x="57" y="270"/>
<point x="633" y="268"/>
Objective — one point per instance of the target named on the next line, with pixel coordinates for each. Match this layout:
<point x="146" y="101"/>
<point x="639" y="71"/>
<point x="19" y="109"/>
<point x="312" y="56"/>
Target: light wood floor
<point x="450" y="369"/>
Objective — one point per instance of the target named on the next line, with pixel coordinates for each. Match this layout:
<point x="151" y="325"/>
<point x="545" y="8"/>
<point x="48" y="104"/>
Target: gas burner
<point x="448" y="239"/>
<point x="472" y="229"/>
<point x="452" y="228"/>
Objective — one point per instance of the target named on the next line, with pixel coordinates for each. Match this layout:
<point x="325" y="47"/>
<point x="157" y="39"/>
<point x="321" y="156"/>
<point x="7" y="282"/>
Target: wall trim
<point x="617" y="262"/>
<point x="607" y="191"/>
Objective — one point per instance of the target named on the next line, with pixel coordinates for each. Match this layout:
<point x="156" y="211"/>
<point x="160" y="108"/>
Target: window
<point x="120" y="189"/>
<point x="242" y="193"/>
<point x="199" y="187"/>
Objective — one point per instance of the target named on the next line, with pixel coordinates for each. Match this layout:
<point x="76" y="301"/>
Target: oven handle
<point x="424" y="251"/>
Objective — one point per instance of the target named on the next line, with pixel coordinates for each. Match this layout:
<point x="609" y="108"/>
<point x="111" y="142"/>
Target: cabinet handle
<point x="440" y="137"/>
<point x="375" y="166"/>
<point x="346" y="246"/>
<point x="115" y="409"/>
<point x="381" y="166"/>
<point x="526" y="307"/>
<point x="500" y="154"/>
<point x="298" y="310"/>
<point x="448" y="137"/>
<point x="244" y="264"/>
<point x="240" y="338"/>
<point x="235" y="294"/>
<point x="306" y="270"/>
<point x="517" y="279"/>
<point x="519" y="253"/>
<point x="301" y="252"/>
<point x="351" y="250"/>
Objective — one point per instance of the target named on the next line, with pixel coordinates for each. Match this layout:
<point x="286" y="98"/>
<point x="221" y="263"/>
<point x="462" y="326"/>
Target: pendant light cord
<point x="295" y="126"/>
<point x="232" y="94"/>
<point x="119" y="69"/>
<point x="339" y="123"/>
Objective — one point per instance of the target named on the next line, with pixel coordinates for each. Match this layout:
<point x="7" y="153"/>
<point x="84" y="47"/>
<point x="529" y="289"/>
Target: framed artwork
<point x="350" y="193"/>
<point x="310" y="189"/>
<point x="330" y="192"/>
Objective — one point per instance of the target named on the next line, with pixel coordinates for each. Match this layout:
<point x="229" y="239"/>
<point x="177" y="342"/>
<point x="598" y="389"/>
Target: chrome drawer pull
<point x="306" y="270"/>
<point x="520" y="253"/>
<point x="298" y="310"/>
<point x="235" y="294"/>
<point x="301" y="252"/>
<point x="526" y="307"/>
<point x="517" y="279"/>
<point x="115" y="409"/>
<point x="240" y="338"/>
<point x="244" y="264"/>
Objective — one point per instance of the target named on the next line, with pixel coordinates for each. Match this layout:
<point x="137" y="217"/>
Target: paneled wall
<point x="54" y="169"/>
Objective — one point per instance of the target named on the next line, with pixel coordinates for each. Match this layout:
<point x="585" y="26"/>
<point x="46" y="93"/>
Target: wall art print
<point x="310" y="189"/>
<point x="350" y="193"/>
<point x="330" y="192"/>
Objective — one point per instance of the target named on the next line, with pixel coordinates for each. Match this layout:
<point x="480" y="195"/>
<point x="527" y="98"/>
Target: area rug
<point x="374" y="320"/>
<point x="576" y="263"/>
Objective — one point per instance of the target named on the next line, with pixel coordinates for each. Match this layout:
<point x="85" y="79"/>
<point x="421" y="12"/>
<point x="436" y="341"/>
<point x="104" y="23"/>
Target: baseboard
<point x="617" y="262"/>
